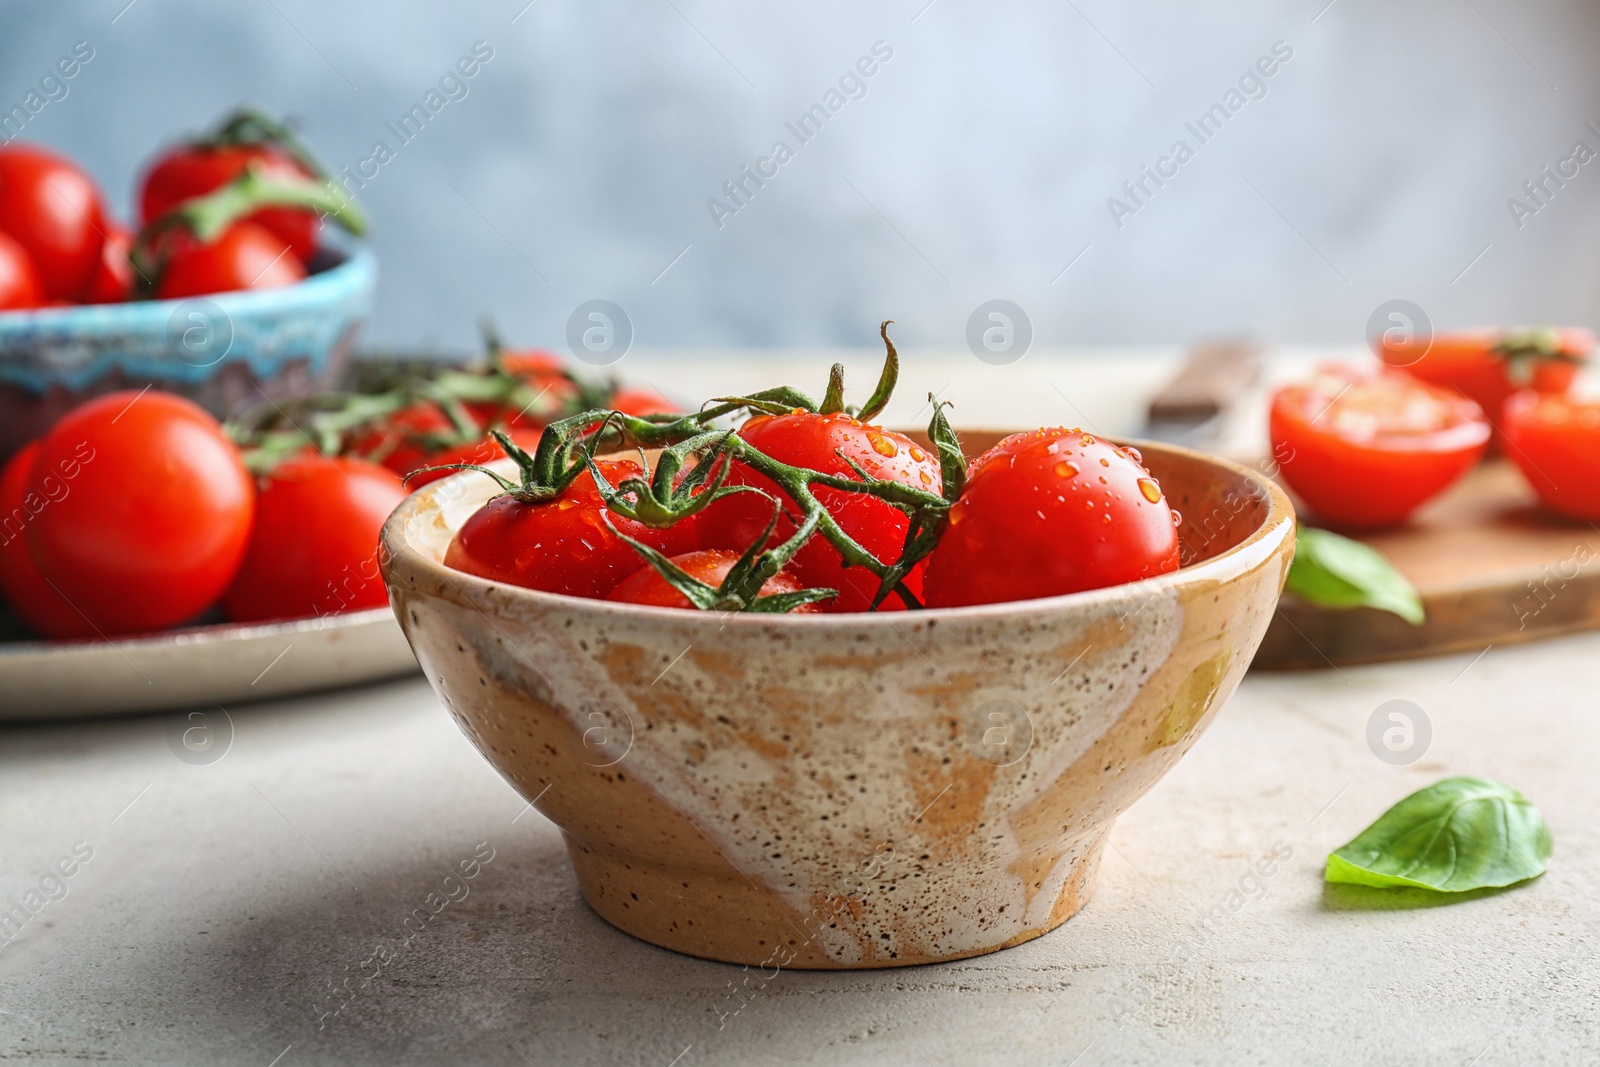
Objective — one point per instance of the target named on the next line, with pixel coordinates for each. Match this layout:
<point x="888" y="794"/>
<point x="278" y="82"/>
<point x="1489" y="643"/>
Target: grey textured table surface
<point x="253" y="909"/>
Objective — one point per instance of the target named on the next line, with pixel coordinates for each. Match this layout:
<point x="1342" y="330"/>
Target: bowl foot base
<point x="726" y="917"/>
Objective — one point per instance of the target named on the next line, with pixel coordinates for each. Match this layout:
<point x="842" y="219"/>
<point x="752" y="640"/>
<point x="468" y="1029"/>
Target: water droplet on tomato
<point x="1177" y="517"/>
<point x="927" y="479"/>
<point x="1134" y="454"/>
<point x="1104" y="462"/>
<point x="797" y="411"/>
<point x="917" y="454"/>
<point x="883" y="446"/>
<point x="1065" y="469"/>
<point x="1151" y="491"/>
<point x="1106" y="517"/>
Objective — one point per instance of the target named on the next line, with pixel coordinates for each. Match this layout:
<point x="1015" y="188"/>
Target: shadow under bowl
<point x="226" y="351"/>
<point x="843" y="791"/>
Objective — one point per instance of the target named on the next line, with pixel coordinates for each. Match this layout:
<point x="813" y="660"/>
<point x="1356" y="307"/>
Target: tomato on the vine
<point x="806" y="439"/>
<point x="314" y="548"/>
<point x="1367" y="449"/>
<point x="20" y="287"/>
<point x="564" y="545"/>
<point x="153" y="513"/>
<point x="401" y="441"/>
<point x="711" y="566"/>
<point x="1555" y="440"/>
<point x="30" y="596"/>
<point x="52" y="209"/>
<point x="1487" y="366"/>
<point x="481" y="452"/>
<point x="244" y="256"/>
<point x="192" y="170"/>
<point x="1049" y="512"/>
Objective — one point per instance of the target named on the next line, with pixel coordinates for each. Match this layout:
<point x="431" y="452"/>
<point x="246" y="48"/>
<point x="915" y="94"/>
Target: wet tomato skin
<point x="809" y="440"/>
<point x="314" y="546"/>
<point x="1050" y="512"/>
<point x="711" y="566"/>
<point x="563" y="545"/>
<point x="153" y="514"/>
<point x="29" y="595"/>
<point x="1365" y="450"/>
<point x="1555" y="441"/>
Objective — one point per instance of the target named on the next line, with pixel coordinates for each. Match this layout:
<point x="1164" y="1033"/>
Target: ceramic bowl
<point x="837" y="791"/>
<point x="228" y="351"/>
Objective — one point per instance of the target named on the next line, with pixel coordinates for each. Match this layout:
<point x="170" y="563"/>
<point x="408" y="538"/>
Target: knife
<point x="1192" y="408"/>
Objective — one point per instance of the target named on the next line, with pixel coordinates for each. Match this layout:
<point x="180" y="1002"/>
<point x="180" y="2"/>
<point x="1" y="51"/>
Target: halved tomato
<point x="1487" y="366"/>
<point x="1555" y="440"/>
<point x="1365" y="449"/>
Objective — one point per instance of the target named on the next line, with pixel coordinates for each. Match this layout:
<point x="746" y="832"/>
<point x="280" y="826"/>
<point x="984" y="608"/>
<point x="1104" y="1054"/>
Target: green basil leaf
<point x="1455" y="835"/>
<point x="1337" y="572"/>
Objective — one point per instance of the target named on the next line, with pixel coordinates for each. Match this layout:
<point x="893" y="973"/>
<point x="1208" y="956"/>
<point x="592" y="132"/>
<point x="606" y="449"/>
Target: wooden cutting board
<point x="1492" y="568"/>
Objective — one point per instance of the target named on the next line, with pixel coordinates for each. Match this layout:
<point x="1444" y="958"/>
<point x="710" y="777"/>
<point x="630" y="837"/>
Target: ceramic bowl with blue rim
<point x="227" y="351"/>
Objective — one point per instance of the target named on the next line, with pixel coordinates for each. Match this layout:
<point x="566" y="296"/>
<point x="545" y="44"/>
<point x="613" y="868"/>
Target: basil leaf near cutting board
<point x="1337" y="572"/>
<point x="1455" y="835"/>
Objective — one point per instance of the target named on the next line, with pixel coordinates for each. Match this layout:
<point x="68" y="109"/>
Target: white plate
<point x="209" y="666"/>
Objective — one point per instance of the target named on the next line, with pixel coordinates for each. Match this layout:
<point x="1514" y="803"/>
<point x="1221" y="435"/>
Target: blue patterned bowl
<point x="227" y="352"/>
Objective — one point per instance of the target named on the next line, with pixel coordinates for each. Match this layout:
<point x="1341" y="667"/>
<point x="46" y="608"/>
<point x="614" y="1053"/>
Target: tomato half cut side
<point x="1366" y="449"/>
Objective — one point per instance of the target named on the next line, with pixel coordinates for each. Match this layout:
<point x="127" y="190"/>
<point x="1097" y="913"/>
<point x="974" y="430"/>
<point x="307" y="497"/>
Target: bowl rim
<point x="356" y="262"/>
<point x="1278" y="522"/>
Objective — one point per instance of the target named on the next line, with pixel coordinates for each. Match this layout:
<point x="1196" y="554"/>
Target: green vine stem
<point x="664" y="498"/>
<point x="206" y="217"/>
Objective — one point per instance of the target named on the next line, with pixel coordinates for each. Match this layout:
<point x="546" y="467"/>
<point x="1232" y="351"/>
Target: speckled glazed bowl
<point x="837" y="791"/>
<point x="226" y="351"/>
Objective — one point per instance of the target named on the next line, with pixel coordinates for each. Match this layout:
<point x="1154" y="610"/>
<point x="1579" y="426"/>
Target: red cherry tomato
<point x="639" y="402"/>
<point x="1555" y="440"/>
<point x="155" y="512"/>
<point x="401" y="442"/>
<point x="244" y="256"/>
<point x="808" y="440"/>
<point x="112" y="282"/>
<point x="711" y="566"/>
<point x="532" y="363"/>
<point x="1050" y="512"/>
<point x="52" y="209"/>
<point x="1469" y="363"/>
<point x="189" y="171"/>
<point x="563" y="545"/>
<point x="19" y="279"/>
<point x="314" y="548"/>
<point x="481" y="452"/>
<point x="1366" y="450"/>
<point x="33" y="598"/>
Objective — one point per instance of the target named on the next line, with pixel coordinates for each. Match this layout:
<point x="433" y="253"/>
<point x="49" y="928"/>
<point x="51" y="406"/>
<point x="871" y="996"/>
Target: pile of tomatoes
<point x="60" y="245"/>
<point x="138" y="511"/>
<point x="1367" y="448"/>
<point x="1043" y="513"/>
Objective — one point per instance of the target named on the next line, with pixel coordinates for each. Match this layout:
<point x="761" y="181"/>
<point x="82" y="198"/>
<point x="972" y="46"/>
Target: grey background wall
<point x="975" y="163"/>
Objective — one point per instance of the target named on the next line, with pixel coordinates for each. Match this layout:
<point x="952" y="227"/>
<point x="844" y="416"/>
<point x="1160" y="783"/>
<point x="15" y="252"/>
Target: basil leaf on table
<point x="1455" y="835"/>
<point x="1337" y="572"/>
